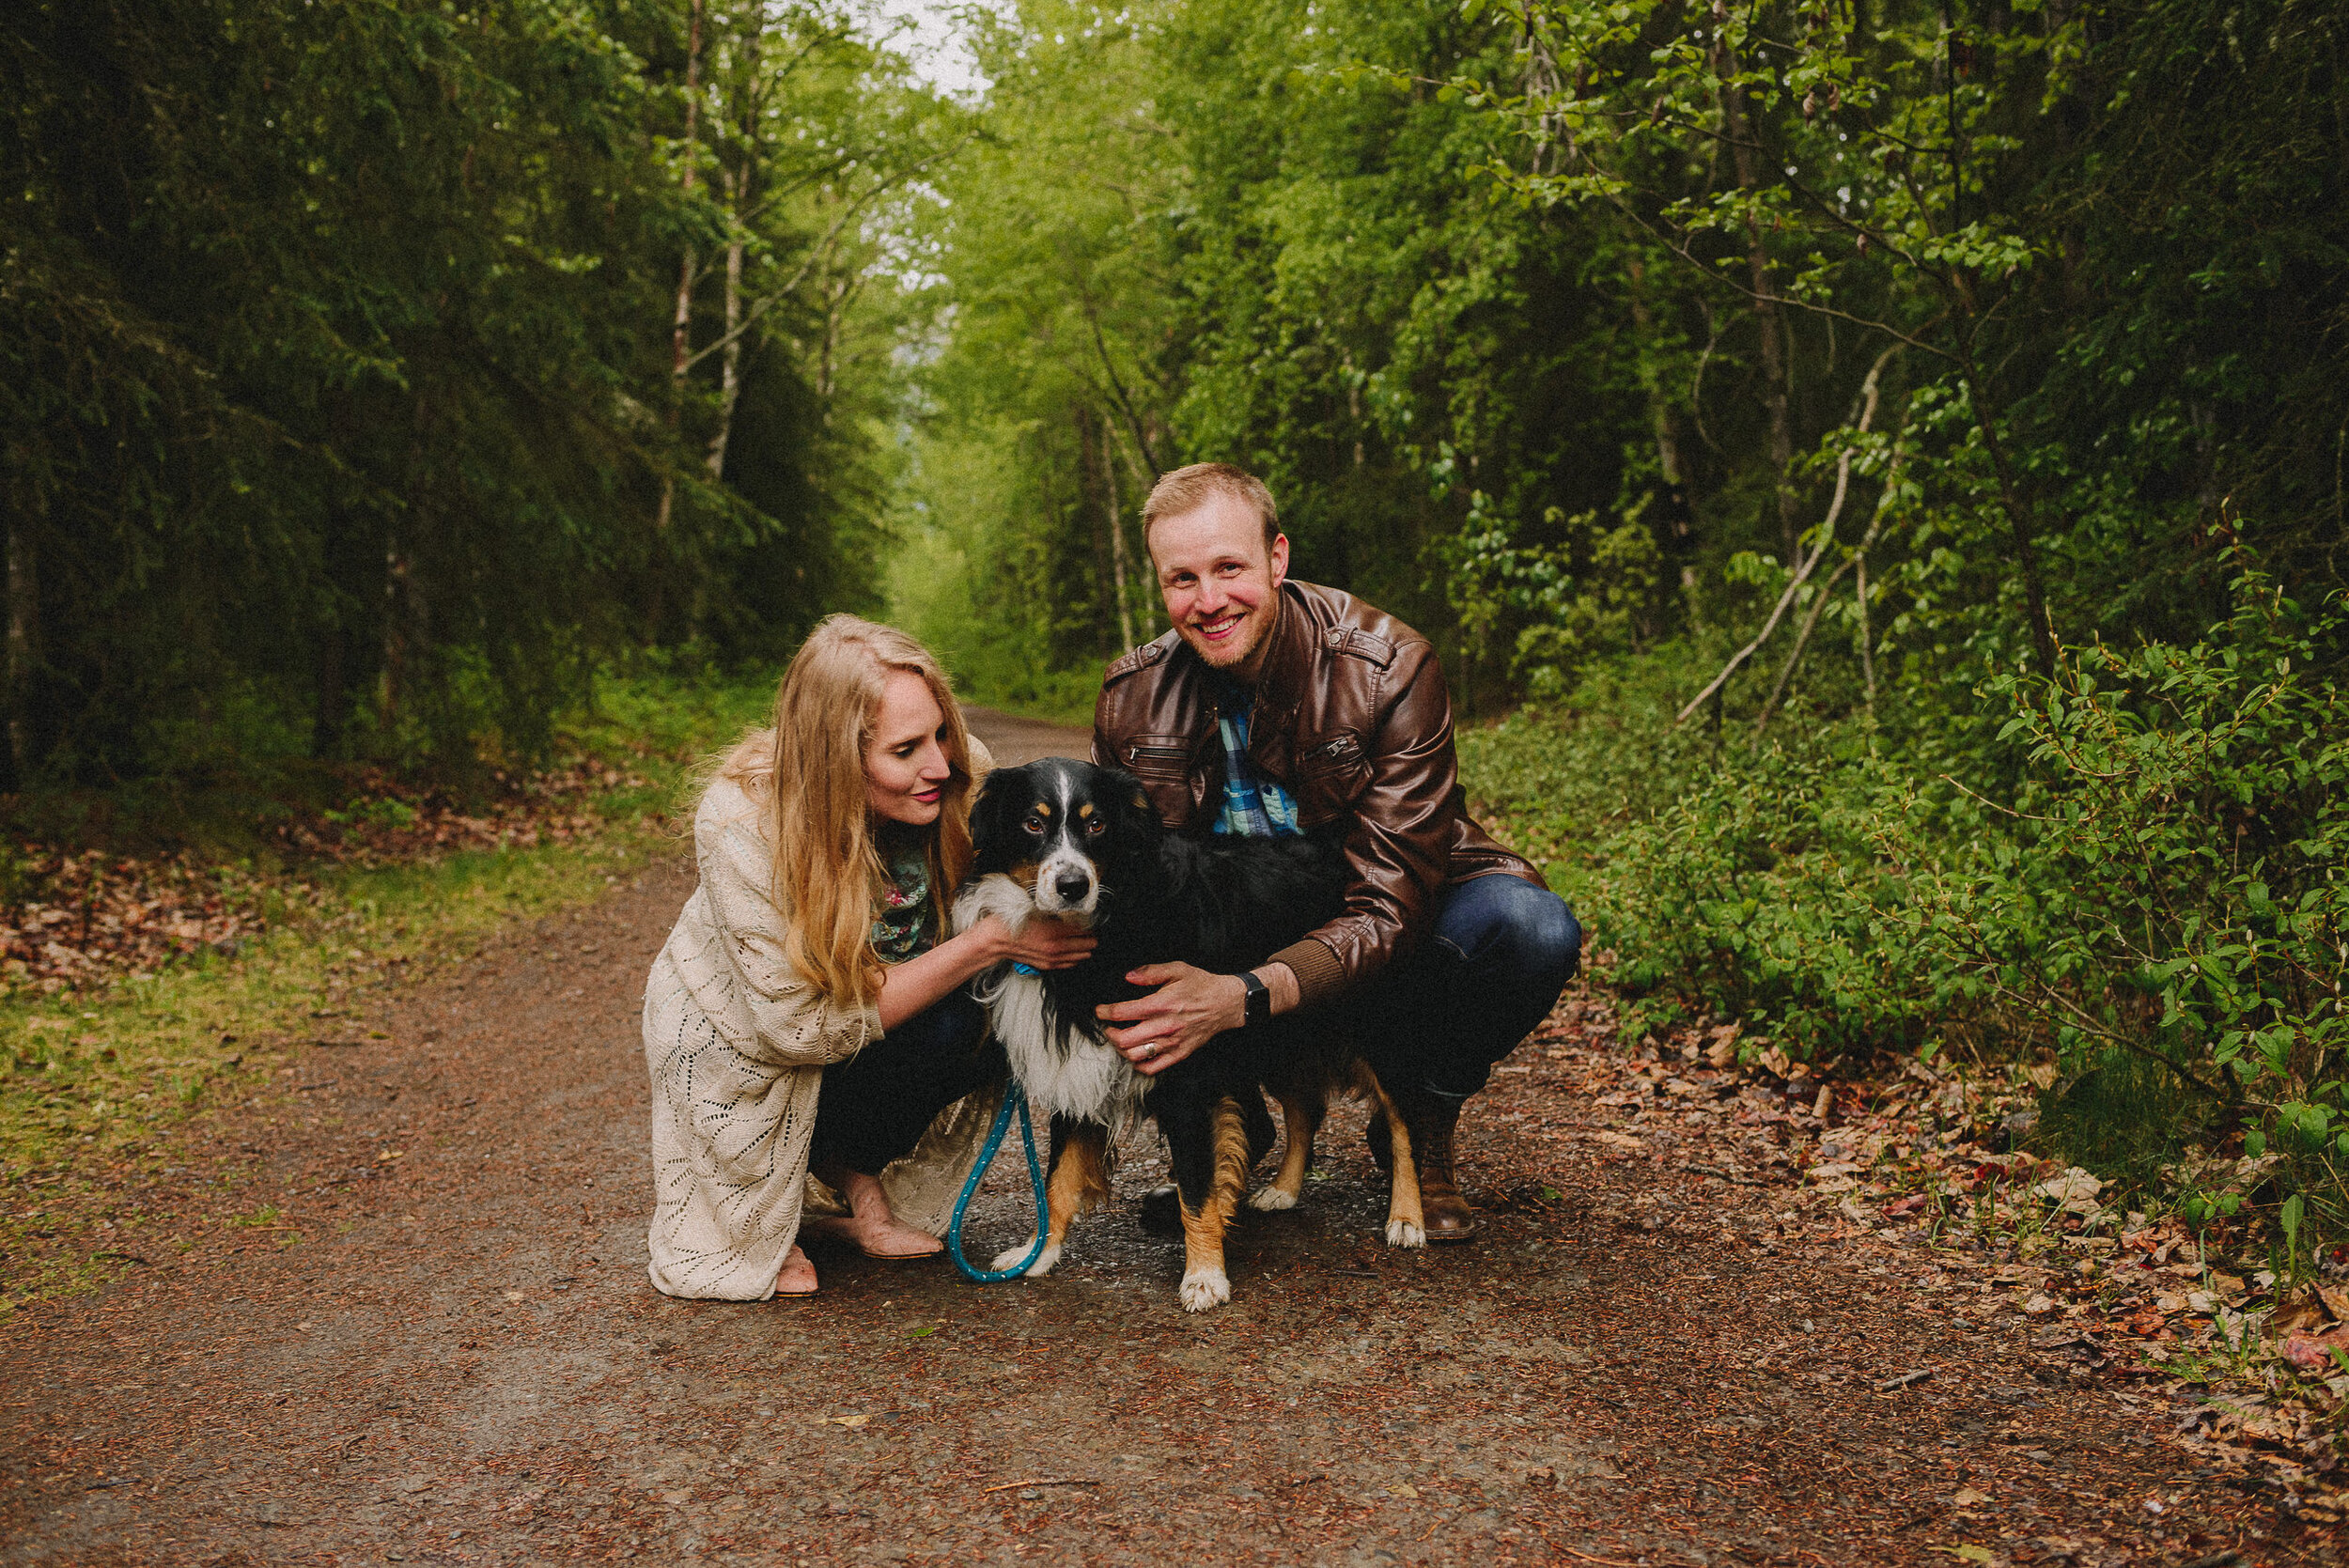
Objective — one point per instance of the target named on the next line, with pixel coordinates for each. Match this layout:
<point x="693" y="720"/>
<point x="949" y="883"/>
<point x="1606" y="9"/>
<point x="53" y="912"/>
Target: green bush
<point x="2149" y="867"/>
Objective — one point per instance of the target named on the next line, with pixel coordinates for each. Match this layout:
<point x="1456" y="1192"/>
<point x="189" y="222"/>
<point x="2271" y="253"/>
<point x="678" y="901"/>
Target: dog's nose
<point x="1072" y="886"/>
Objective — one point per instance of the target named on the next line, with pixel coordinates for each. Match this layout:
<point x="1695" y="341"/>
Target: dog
<point x="1081" y="844"/>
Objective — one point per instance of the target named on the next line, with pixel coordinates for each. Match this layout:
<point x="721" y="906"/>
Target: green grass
<point x="92" y="1087"/>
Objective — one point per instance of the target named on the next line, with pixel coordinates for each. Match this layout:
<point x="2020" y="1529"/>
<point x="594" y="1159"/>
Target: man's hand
<point x="1189" y="1008"/>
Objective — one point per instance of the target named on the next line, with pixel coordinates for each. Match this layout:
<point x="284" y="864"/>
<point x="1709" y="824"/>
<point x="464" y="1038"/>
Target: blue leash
<point x="1011" y="1096"/>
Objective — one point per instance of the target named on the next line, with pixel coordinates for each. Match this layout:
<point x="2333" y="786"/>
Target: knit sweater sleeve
<point x="792" y="1024"/>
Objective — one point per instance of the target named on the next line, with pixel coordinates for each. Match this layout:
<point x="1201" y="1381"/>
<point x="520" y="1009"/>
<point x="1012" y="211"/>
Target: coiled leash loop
<point x="1011" y="1096"/>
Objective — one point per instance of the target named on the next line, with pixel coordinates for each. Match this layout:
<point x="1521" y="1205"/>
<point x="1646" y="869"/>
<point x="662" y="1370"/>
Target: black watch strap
<point x="1259" y="998"/>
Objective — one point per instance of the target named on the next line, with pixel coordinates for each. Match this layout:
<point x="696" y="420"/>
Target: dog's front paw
<point x="1273" y="1198"/>
<point x="1204" y="1288"/>
<point x="1037" y="1270"/>
<point x="1401" y="1232"/>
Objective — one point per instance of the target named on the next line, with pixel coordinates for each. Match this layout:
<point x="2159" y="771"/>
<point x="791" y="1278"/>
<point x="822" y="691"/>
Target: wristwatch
<point x="1259" y="1005"/>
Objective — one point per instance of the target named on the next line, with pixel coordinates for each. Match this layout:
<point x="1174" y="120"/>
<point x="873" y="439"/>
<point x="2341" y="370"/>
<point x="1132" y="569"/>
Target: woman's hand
<point x="1041" y="943"/>
<point x="909" y="987"/>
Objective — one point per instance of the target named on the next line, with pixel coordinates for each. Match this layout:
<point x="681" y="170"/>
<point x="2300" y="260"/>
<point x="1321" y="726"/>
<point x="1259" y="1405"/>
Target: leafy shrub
<point x="2155" y="872"/>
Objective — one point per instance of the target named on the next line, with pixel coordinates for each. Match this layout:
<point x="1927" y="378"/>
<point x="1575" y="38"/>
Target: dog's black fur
<point x="1086" y="844"/>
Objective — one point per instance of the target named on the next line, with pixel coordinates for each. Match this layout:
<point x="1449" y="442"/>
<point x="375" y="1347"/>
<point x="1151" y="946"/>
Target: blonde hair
<point x="808" y="770"/>
<point x="1188" y="488"/>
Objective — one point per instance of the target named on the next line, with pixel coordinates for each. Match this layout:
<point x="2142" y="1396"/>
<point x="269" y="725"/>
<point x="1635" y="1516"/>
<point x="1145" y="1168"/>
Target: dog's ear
<point x="1134" y="817"/>
<point x="993" y="818"/>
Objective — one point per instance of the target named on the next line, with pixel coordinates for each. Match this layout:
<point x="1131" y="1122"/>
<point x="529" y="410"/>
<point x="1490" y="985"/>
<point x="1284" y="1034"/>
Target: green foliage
<point x="335" y="376"/>
<point x="2148" y="893"/>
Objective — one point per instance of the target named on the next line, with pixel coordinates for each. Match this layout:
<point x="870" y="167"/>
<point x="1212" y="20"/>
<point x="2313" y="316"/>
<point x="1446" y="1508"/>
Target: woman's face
<point x="905" y="763"/>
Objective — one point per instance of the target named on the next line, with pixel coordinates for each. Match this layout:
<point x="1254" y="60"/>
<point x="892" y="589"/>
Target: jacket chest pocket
<point x="1332" y="771"/>
<point x="1156" y="758"/>
<point x="1162" y="764"/>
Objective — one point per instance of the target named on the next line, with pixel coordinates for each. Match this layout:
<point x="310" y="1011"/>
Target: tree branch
<point x="1865" y="411"/>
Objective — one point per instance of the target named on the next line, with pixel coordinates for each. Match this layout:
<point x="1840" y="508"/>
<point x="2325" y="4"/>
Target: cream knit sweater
<point x="737" y="1042"/>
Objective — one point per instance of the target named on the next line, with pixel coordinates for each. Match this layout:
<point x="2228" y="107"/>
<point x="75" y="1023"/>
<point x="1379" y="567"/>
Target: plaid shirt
<point x="1252" y="808"/>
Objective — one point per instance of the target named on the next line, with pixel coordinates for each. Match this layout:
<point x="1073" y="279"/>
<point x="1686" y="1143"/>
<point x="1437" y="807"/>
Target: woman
<point x="807" y="1013"/>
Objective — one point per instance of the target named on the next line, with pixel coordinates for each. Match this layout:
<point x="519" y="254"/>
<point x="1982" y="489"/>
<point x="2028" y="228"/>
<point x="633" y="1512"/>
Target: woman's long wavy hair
<point x="808" y="771"/>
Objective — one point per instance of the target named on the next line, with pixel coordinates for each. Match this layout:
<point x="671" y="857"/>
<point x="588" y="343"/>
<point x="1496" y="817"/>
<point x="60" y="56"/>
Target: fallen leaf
<point x="2074" y="1189"/>
<point x="2313" y="1352"/>
<point x="1618" y="1141"/>
<point x="514" y="1296"/>
<point x="1967" y="1497"/>
<point x="2040" y="1306"/>
<point x="842" y="1420"/>
<point x="1403" y="1489"/>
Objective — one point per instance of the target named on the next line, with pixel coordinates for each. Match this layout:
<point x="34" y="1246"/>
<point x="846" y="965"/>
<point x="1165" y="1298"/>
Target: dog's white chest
<point x="1085" y="1079"/>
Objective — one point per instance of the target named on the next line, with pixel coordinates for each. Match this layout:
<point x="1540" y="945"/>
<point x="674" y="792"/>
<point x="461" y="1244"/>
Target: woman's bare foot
<point x="797" y="1275"/>
<point x="870" y="1224"/>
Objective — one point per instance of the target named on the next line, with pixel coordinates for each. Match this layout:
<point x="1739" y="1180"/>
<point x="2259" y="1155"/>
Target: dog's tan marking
<point x="1407" y="1225"/>
<point x="1042" y="809"/>
<point x="1085" y="810"/>
<point x="1079" y="1183"/>
<point x="1205" y="1282"/>
<point x="1025" y="874"/>
<point x="1300" y="1121"/>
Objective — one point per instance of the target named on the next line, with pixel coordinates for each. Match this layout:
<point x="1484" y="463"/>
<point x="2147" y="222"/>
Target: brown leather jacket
<point x="1353" y="719"/>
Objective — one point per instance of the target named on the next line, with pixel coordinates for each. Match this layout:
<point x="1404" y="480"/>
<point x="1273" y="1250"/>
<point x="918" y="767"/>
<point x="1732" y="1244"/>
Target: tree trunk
<point x="1117" y="534"/>
<point x="1765" y="310"/>
<point x="681" y="321"/>
<point x="326" y="715"/>
<point x="2022" y="522"/>
<point x="730" y="360"/>
<point x="22" y="649"/>
<point x="1668" y="465"/>
<point x="391" y="687"/>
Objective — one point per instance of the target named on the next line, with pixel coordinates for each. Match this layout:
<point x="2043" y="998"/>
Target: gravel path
<point x="432" y="1341"/>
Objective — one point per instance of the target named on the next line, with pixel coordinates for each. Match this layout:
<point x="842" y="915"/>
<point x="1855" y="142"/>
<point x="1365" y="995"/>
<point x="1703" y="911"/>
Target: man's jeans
<point x="1474" y="987"/>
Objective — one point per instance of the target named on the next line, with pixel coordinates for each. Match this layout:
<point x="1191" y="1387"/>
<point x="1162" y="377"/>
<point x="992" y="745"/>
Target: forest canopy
<point x="372" y="370"/>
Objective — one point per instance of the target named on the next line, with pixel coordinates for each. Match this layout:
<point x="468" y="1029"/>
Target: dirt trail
<point x="442" y="1348"/>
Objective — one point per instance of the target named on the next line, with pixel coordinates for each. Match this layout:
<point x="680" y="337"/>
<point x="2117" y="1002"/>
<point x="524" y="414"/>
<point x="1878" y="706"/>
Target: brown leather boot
<point x="1431" y="1120"/>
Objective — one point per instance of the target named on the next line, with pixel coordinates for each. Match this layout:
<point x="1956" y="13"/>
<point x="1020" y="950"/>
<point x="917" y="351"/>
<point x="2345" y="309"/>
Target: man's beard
<point x="1248" y="638"/>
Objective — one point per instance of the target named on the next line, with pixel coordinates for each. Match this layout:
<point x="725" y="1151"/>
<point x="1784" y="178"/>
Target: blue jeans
<point x="1474" y="988"/>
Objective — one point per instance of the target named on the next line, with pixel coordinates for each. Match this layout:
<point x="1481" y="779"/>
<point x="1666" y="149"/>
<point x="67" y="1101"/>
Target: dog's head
<point x="1068" y="831"/>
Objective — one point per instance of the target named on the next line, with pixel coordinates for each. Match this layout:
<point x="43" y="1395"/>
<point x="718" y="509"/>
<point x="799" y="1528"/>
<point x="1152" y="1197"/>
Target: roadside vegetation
<point x="135" y="1030"/>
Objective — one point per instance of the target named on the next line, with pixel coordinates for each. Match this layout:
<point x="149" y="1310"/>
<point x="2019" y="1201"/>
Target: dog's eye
<point x="1033" y="824"/>
<point x="1095" y="827"/>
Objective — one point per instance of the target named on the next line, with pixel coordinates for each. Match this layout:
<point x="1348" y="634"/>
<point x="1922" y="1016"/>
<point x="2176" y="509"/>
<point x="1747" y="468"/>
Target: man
<point x="1276" y="705"/>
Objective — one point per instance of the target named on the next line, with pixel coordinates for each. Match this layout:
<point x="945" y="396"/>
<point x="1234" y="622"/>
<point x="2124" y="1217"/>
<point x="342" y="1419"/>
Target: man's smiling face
<point x="1222" y="585"/>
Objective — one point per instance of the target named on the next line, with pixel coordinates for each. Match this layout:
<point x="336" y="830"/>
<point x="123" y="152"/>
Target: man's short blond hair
<point x="1185" y="489"/>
